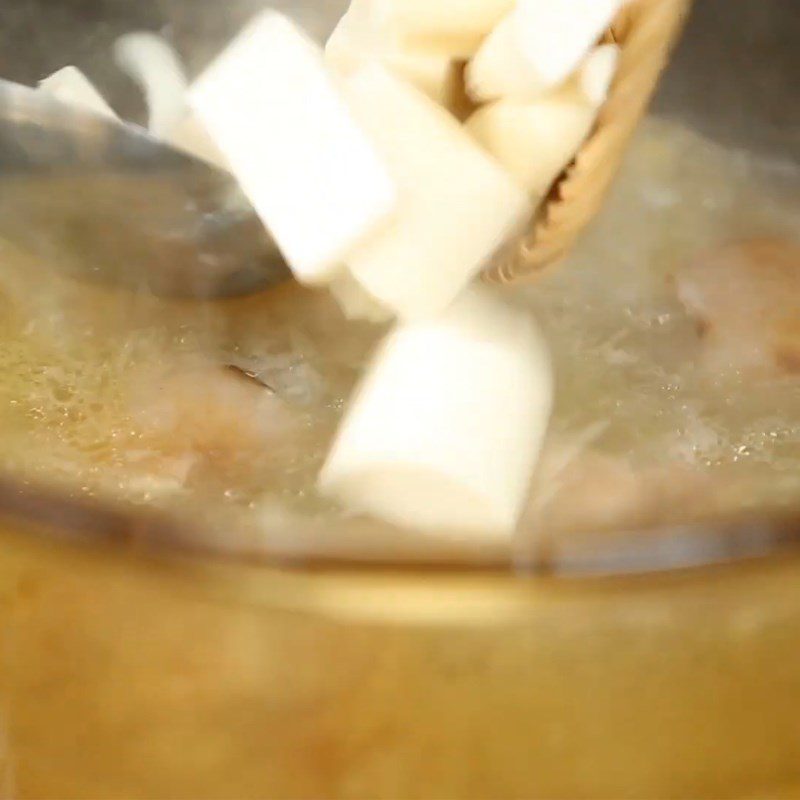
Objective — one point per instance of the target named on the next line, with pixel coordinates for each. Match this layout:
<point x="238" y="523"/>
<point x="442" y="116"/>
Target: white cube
<point x="312" y="175"/>
<point x="354" y="43"/>
<point x="536" y="139"/>
<point x="455" y="27"/>
<point x="537" y="46"/>
<point x="446" y="428"/>
<point x="456" y="205"/>
<point x="71" y="87"/>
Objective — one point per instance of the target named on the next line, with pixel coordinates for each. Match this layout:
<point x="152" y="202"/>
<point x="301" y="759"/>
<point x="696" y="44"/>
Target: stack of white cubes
<point x="372" y="186"/>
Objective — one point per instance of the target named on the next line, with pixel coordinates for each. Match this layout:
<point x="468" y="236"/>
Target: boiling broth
<point x="222" y="412"/>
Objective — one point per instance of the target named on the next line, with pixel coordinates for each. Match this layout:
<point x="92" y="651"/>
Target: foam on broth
<point x="111" y="394"/>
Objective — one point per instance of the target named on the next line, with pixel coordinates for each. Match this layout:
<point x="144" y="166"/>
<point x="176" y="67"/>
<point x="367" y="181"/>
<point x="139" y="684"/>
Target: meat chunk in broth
<point x="746" y="300"/>
<point x="212" y="418"/>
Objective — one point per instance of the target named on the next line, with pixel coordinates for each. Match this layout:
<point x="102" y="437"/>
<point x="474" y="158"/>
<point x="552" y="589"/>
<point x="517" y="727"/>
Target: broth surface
<point x="109" y="394"/>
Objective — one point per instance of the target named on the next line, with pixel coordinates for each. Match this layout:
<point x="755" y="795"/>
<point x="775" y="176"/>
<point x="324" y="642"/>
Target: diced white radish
<point x="597" y="73"/>
<point x="432" y="73"/>
<point x="456" y="205"/>
<point x="445" y="430"/>
<point x="352" y="45"/>
<point x="356" y="302"/>
<point x="312" y="175"/>
<point x="453" y="27"/>
<point x="153" y="64"/>
<point x="535" y="140"/>
<point x="557" y="36"/>
<point x="191" y="137"/>
<point x="537" y="46"/>
<point x="70" y="86"/>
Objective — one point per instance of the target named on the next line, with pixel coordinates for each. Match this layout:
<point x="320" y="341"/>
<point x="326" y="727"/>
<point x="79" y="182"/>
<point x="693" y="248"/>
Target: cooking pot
<point x="133" y="670"/>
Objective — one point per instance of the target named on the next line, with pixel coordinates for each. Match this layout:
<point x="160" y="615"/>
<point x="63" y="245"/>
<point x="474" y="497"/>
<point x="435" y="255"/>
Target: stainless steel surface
<point x="104" y="201"/>
<point x="734" y="75"/>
